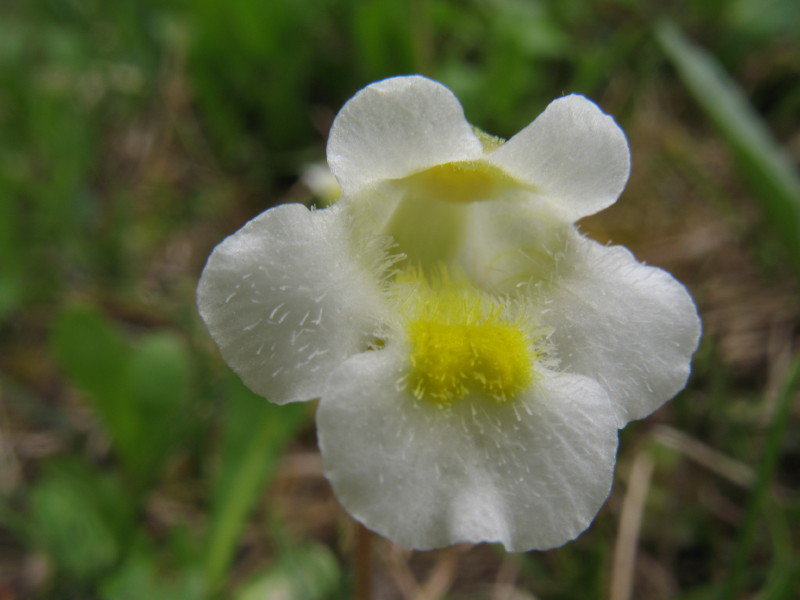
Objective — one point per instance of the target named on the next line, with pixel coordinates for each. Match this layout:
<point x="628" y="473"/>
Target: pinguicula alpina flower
<point x="473" y="353"/>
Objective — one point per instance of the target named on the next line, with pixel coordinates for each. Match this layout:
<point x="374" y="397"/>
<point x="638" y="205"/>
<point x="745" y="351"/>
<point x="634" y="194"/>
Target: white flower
<point x="474" y="354"/>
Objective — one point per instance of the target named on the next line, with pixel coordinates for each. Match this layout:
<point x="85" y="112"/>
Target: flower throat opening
<point x="431" y="218"/>
<point x="461" y="181"/>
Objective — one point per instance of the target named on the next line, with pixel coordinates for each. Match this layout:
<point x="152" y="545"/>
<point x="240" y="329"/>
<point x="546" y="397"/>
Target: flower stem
<point x="363" y="563"/>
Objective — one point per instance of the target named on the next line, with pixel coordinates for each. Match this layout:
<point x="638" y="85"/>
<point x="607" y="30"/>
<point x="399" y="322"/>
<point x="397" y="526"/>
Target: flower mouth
<point x="429" y="221"/>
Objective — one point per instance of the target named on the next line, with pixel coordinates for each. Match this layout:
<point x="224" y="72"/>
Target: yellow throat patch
<point x="461" y="181"/>
<point x="461" y="341"/>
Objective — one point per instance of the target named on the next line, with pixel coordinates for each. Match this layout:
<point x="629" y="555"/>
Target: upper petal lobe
<point x="575" y="154"/>
<point x="395" y="127"/>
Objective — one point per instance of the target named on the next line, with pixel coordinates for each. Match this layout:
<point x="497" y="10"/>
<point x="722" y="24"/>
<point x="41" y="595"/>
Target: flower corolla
<point x="473" y="353"/>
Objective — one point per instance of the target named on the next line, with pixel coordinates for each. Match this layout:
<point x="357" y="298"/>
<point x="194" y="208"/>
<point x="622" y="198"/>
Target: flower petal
<point x="573" y="153"/>
<point x="395" y="127"/>
<point x="631" y="327"/>
<point x="286" y="300"/>
<point x="529" y="474"/>
<point x="509" y="244"/>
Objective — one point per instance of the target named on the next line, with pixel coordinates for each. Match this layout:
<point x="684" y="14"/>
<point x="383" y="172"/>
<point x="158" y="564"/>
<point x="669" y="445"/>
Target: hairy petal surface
<point x="287" y="300"/>
<point x="510" y="244"/>
<point x="395" y="127"/>
<point x="629" y="326"/>
<point x="529" y="474"/>
<point x="573" y="153"/>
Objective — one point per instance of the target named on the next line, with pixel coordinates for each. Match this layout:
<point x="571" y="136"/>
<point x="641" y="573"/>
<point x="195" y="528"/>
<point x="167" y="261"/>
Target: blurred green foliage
<point x="252" y="440"/>
<point x="135" y="134"/>
<point x="71" y="502"/>
<point x="768" y="168"/>
<point x="139" y="392"/>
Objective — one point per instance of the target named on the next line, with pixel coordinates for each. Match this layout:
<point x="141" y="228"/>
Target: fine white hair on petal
<point x="631" y="327"/>
<point x="509" y="244"/>
<point x="530" y="474"/>
<point x="573" y="153"/>
<point x="395" y="127"/>
<point x="287" y="300"/>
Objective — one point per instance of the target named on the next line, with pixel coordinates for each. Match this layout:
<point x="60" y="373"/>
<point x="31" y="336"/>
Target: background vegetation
<point x="136" y="134"/>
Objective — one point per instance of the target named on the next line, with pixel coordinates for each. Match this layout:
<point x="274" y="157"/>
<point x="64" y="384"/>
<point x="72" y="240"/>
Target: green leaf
<point x="764" y="164"/>
<point x="94" y="354"/>
<point x="159" y="385"/>
<point x="140" y="578"/>
<point x="255" y="432"/>
<point x="12" y="251"/>
<point x="80" y="517"/>
<point x="139" y="391"/>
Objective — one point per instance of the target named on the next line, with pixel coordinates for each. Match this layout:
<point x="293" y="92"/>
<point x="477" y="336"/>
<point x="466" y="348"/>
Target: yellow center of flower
<point x="462" y="342"/>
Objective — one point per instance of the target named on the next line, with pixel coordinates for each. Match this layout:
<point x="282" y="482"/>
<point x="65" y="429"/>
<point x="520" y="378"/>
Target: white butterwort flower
<point x="474" y="354"/>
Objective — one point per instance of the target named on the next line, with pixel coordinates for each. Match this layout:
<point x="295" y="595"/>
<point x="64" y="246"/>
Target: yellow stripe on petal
<point x="462" y="181"/>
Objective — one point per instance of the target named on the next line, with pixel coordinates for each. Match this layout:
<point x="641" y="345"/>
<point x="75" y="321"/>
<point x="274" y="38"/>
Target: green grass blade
<point x="784" y="581"/>
<point x="763" y="162"/>
<point x="766" y="469"/>
<point x="254" y="435"/>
